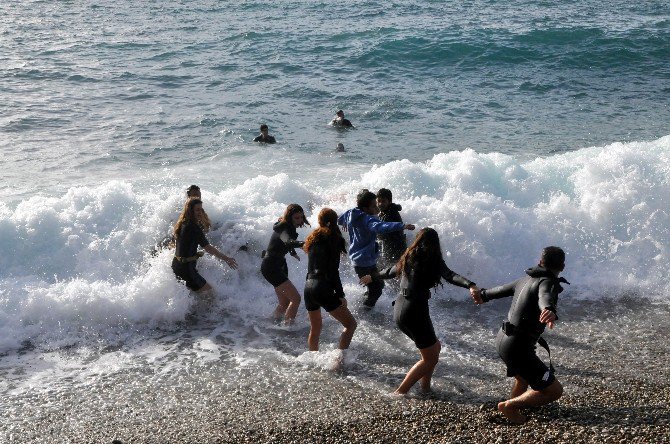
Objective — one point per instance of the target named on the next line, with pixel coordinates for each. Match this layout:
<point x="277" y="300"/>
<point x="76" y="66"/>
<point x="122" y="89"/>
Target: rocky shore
<point x="614" y="368"/>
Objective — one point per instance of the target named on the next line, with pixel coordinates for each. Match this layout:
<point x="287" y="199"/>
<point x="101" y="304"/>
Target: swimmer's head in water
<point x="294" y="215"/>
<point x="367" y="202"/>
<point x="193" y="191"/>
<point x="340" y="147"/>
<point x="264" y="129"/>
<point x="340" y="113"/>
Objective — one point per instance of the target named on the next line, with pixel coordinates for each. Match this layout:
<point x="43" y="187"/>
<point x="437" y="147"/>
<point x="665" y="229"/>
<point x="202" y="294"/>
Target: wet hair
<point x="385" y="193"/>
<point x="290" y="211"/>
<point x="187" y="214"/>
<point x="327" y="230"/>
<point x="191" y="189"/>
<point x="339" y="111"/>
<point x="263" y="127"/>
<point x="365" y="198"/>
<point x="424" y="256"/>
<point x="552" y="257"/>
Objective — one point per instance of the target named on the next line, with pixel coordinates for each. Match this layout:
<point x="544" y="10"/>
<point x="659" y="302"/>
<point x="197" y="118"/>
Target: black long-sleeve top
<point x="532" y="294"/>
<point x="283" y="240"/>
<point x="324" y="263"/>
<point x="412" y="286"/>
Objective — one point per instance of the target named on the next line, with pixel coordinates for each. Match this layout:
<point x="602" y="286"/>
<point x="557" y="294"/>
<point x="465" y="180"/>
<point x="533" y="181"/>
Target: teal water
<point x="116" y="90"/>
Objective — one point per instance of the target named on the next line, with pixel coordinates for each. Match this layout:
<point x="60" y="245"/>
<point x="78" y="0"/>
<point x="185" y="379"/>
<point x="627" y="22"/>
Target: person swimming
<point x="421" y="268"/>
<point x="323" y="286"/>
<point x="264" y="136"/>
<point x="340" y="121"/>
<point x="274" y="267"/>
<point x="189" y="235"/>
<point x="535" y="297"/>
<point x="340" y="148"/>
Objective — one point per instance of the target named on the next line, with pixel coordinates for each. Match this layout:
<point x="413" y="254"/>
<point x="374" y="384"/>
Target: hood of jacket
<point x="541" y="272"/>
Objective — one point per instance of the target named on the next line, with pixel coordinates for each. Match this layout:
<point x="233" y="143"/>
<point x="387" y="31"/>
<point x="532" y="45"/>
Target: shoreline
<point x="615" y="380"/>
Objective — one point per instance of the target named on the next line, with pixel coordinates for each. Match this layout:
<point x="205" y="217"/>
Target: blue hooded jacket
<point x="363" y="230"/>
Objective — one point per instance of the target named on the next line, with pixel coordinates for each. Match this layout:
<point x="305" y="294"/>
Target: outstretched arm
<point x="387" y="273"/>
<point x="502" y="291"/>
<point x="227" y="259"/>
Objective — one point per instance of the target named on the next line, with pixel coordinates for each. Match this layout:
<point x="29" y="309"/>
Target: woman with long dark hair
<point x="188" y="235"/>
<point x="421" y="267"/>
<point x="323" y="287"/>
<point x="274" y="267"/>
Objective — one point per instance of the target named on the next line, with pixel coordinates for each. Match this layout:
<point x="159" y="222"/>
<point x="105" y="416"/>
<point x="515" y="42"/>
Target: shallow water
<point x="505" y="126"/>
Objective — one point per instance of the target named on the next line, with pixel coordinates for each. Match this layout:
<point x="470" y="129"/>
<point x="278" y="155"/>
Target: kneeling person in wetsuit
<point x="533" y="307"/>
<point x="189" y="235"/>
<point x="323" y="287"/>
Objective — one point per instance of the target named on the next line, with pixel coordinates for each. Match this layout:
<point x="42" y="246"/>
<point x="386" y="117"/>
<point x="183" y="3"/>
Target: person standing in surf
<point x="188" y="236"/>
<point x="421" y="268"/>
<point x="363" y="226"/>
<point x="323" y="287"/>
<point x="274" y="267"/>
<point x="533" y="308"/>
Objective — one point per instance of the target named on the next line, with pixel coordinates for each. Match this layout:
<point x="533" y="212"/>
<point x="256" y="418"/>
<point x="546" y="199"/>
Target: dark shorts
<point x="319" y="293"/>
<point x="188" y="273"/>
<point x="274" y="270"/>
<point x="413" y="318"/>
<point x="521" y="360"/>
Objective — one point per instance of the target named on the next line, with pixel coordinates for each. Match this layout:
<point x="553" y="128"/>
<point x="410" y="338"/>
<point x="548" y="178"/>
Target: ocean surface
<point x="507" y="126"/>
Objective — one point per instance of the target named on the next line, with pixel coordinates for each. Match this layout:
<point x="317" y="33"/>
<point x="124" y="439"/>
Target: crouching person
<point x="533" y="308"/>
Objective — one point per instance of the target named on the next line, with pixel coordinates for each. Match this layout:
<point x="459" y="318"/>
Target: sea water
<point x="506" y="126"/>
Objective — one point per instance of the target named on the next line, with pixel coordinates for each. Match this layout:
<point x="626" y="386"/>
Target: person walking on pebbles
<point x="533" y="308"/>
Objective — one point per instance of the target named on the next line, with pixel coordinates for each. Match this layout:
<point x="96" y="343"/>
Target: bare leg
<point x="530" y="398"/>
<point x="519" y="388"/>
<point x="422" y="369"/>
<point x="344" y="316"/>
<point x="282" y="304"/>
<point x="315" y="324"/>
<point x="290" y="298"/>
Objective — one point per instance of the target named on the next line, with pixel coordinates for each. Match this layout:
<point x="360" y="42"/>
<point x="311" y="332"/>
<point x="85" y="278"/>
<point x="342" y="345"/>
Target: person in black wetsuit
<point x="323" y="287"/>
<point x="393" y="244"/>
<point x="264" y="137"/>
<point x="189" y="235"/>
<point x="274" y="267"/>
<point x="340" y="121"/>
<point x="533" y="307"/>
<point x="421" y="268"/>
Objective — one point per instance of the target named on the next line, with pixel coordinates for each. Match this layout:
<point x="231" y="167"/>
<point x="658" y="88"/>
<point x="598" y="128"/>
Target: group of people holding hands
<point x="419" y="267"/>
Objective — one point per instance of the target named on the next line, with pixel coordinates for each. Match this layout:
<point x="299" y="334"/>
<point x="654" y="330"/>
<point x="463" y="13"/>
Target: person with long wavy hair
<point x="323" y="287"/>
<point x="274" y="267"/>
<point x="421" y="268"/>
<point x="188" y="235"/>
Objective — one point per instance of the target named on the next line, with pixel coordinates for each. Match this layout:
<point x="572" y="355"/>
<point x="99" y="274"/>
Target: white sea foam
<point x="81" y="263"/>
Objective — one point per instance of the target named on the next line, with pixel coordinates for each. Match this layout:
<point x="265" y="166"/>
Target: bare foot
<point x="512" y="414"/>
